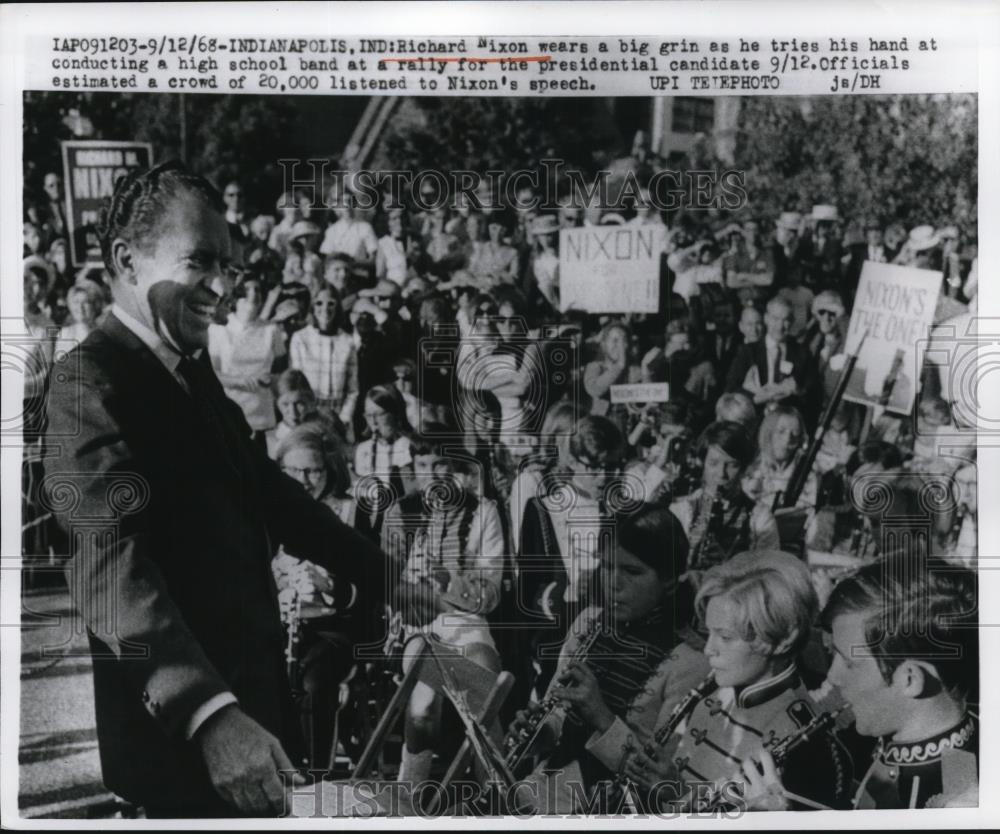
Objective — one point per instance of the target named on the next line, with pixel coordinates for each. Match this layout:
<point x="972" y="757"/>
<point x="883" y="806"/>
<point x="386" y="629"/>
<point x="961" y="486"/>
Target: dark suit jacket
<point x="172" y="540"/>
<point x="755" y="354"/>
<point x="722" y="361"/>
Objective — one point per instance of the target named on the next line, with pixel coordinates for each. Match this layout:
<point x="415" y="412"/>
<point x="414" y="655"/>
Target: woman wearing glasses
<point x="314" y="603"/>
<point x="325" y="352"/>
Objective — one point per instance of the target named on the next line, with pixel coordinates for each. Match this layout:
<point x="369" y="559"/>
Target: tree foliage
<point x="907" y="158"/>
<point x="480" y="134"/>
<point x="227" y="137"/>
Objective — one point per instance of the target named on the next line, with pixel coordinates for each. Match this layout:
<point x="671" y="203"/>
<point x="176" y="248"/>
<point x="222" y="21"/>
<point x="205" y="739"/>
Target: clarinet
<point x="710" y="533"/>
<point x="517" y="744"/>
<point x="622" y="784"/>
<point x="293" y="629"/>
<point x="722" y="798"/>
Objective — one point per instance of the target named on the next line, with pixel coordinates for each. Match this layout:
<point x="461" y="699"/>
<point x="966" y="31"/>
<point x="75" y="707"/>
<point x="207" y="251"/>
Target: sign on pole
<point x="641" y="392"/>
<point x="90" y="169"/>
<point x="895" y="307"/>
<point x="611" y="269"/>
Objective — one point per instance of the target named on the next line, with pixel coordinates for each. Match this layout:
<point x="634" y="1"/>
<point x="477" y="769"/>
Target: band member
<point x="758" y="609"/>
<point x="194" y="711"/>
<point x="719" y="519"/>
<point x="559" y="539"/>
<point x="622" y="662"/>
<point x="781" y="440"/>
<point x="903" y="658"/>
<point x="383" y="462"/>
<point x="452" y="544"/>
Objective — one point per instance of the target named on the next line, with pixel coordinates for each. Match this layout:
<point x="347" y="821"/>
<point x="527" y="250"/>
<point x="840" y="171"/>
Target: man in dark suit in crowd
<point x="194" y="710"/>
<point x="872" y="249"/>
<point x="775" y="368"/>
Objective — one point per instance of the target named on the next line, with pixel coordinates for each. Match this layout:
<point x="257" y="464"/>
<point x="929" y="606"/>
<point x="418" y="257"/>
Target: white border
<point x="723" y="18"/>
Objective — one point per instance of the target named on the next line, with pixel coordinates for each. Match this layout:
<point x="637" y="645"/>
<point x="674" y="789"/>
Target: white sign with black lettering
<point x="611" y="269"/>
<point x="649" y="392"/>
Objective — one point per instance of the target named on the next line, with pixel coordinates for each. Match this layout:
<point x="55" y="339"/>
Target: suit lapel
<point x="154" y="377"/>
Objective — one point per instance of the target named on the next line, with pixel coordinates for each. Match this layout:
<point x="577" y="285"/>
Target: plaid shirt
<point x="330" y="363"/>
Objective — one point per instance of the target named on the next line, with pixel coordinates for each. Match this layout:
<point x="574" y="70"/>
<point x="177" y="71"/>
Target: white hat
<point x="790" y="220"/>
<point x="921" y="238"/>
<point x="824" y="212"/>
<point x="302" y="228"/>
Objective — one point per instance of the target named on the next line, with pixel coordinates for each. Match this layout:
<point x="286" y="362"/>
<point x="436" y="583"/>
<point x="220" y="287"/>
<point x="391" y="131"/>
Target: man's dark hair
<point x="656" y="538"/>
<point x="140" y="201"/>
<point x="732" y="438"/>
<point x="915" y="609"/>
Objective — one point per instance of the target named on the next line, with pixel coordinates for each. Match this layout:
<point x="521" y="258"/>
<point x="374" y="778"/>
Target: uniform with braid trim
<point x="729" y="726"/>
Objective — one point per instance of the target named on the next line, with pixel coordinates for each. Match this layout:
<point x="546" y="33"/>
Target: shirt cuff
<point x="206" y="711"/>
<point x="611" y="746"/>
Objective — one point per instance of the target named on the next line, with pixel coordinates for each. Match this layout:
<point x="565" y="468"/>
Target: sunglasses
<point x="829" y="313"/>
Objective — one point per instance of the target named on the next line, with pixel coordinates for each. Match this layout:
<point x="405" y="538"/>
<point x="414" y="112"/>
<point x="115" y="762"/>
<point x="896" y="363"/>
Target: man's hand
<point x="762" y="788"/>
<point x="578" y="688"/>
<point x="244" y="762"/>
<point x="648" y="770"/>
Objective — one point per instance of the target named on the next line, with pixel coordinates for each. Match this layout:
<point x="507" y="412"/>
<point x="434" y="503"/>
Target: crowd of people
<point x="414" y="372"/>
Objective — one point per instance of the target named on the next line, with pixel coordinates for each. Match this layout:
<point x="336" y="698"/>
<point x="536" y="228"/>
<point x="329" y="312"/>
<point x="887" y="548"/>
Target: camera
<point x="499" y="367"/>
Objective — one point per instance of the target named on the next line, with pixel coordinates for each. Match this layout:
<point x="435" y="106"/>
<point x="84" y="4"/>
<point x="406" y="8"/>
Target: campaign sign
<point x="611" y="269"/>
<point x="90" y="170"/>
<point x="641" y="392"/>
<point x="894" y="311"/>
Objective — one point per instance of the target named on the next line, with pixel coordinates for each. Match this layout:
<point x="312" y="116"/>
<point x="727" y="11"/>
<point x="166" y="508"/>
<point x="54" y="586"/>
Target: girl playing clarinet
<point x="758" y="609"/>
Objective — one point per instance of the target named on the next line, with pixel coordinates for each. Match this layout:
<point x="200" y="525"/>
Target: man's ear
<point x="123" y="259"/>
<point x="916" y="679"/>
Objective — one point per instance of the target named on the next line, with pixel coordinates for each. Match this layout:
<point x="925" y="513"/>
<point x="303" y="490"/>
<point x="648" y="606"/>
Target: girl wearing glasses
<point x="383" y="463"/>
<point x="325" y="352"/>
<point x="322" y="604"/>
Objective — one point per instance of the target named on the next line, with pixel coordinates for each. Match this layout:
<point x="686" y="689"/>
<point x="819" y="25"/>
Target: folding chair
<point x="485" y="694"/>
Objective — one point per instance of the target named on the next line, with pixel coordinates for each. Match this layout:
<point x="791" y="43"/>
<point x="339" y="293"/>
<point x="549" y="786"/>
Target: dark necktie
<point x="776" y="370"/>
<point x="203" y="393"/>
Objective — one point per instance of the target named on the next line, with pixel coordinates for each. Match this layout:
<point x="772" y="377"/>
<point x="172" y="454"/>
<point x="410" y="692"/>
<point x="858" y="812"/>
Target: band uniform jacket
<point x="941" y="771"/>
<point x="174" y="582"/>
<point x="726" y="727"/>
<point x="560" y="790"/>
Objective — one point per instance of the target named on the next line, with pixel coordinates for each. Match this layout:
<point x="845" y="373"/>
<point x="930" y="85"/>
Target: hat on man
<point x="921" y="238"/>
<point x="303" y="228"/>
<point x="823" y="212"/>
<point x="544" y="224"/>
<point x="790" y="220"/>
